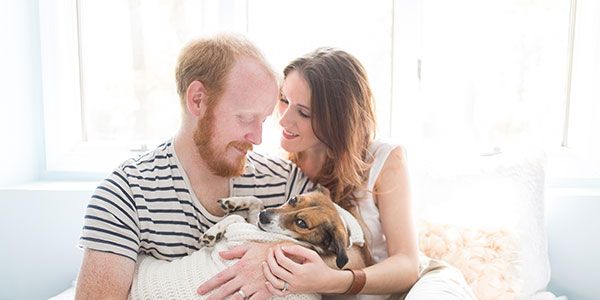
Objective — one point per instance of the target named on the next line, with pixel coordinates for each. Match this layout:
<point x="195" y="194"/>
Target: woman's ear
<point x="195" y="98"/>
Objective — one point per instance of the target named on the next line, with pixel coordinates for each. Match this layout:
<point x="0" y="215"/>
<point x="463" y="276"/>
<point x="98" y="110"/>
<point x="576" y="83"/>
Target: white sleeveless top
<point x="366" y="204"/>
<point x="370" y="213"/>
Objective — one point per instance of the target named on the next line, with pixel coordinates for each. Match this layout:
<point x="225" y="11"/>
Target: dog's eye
<point x="292" y="201"/>
<point x="300" y="223"/>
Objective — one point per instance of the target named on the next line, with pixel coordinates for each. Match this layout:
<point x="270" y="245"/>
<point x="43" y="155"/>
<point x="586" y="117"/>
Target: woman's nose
<point x="284" y="118"/>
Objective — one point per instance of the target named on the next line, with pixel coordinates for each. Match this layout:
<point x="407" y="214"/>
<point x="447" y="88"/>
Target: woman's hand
<point x="296" y="270"/>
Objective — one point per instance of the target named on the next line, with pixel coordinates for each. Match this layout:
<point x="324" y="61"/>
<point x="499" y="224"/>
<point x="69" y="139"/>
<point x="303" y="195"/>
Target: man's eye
<point x="300" y="223"/>
<point x="284" y="101"/>
<point x="244" y="119"/>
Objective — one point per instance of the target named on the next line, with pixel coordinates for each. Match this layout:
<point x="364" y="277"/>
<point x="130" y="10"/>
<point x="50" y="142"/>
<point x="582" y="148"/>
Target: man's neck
<point x="207" y="186"/>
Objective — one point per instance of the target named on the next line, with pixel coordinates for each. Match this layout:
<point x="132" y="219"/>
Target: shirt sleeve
<point x="111" y="222"/>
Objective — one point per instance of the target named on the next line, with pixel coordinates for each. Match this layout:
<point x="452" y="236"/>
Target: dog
<point x="310" y="218"/>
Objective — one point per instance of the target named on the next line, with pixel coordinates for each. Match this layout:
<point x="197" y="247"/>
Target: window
<point x="119" y="89"/>
<point x="490" y="75"/>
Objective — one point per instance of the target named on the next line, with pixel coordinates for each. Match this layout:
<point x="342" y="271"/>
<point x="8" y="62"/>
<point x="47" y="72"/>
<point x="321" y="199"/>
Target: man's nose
<point x="254" y="136"/>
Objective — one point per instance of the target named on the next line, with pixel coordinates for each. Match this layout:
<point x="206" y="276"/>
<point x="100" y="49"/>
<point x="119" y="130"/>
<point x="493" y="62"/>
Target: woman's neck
<point x="311" y="161"/>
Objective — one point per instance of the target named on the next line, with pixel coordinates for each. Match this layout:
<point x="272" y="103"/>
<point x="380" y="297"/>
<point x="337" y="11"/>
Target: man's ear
<point x="196" y="98"/>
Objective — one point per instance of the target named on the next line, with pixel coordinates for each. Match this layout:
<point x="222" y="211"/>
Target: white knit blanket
<point x="179" y="279"/>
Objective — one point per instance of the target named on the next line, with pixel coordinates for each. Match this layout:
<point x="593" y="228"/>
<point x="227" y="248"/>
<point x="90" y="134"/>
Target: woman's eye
<point x="300" y="223"/>
<point x="284" y="101"/>
<point x="304" y="114"/>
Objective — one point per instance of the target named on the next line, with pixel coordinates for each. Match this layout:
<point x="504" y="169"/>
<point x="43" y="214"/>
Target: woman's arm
<point x="399" y="271"/>
<point x="395" y="274"/>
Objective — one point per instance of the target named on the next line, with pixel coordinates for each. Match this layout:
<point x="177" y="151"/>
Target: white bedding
<point x="157" y="279"/>
<point x="503" y="191"/>
<point x="179" y="279"/>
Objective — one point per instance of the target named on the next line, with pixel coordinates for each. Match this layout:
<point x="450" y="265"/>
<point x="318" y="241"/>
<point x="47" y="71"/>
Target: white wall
<point x="40" y="228"/>
<point x="574" y="246"/>
<point x="21" y="112"/>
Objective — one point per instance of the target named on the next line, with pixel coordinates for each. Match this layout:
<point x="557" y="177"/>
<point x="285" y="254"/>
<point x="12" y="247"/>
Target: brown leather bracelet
<point x="358" y="282"/>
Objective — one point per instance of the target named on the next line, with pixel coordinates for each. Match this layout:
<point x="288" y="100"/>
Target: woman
<point x="328" y="120"/>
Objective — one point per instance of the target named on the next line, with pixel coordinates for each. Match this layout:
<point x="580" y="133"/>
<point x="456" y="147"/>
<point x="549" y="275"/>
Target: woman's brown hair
<point x="343" y="119"/>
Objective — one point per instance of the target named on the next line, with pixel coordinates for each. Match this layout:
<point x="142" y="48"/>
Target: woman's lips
<point x="288" y="135"/>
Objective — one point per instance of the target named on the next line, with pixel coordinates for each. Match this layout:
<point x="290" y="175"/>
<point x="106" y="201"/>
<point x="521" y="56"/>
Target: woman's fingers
<point x="276" y="282"/>
<point x="298" y="253"/>
<point x="277" y="269"/>
<point x="284" y="261"/>
<point x="274" y="291"/>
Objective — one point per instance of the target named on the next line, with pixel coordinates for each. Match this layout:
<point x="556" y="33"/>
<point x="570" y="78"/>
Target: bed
<point x="484" y="214"/>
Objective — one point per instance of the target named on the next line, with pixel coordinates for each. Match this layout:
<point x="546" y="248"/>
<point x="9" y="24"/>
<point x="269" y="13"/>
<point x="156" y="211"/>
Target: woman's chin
<point x="288" y="146"/>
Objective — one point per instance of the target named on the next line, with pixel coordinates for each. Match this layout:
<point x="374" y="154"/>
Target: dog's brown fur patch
<point x="312" y="218"/>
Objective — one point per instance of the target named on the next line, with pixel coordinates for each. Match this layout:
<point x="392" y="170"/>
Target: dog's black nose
<point x="264" y="217"/>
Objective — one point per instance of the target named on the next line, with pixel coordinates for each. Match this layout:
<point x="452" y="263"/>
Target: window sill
<point x="52" y="186"/>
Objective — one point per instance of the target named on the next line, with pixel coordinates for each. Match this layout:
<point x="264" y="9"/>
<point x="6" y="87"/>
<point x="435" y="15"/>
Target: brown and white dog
<point x="310" y="218"/>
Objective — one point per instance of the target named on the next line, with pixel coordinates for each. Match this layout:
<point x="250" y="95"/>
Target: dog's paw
<point x="232" y="204"/>
<point x="209" y="239"/>
<point x="228" y="205"/>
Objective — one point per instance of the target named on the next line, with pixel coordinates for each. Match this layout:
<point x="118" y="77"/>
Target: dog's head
<point x="310" y="218"/>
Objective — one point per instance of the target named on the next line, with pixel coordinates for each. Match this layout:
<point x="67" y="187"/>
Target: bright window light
<point x="479" y="75"/>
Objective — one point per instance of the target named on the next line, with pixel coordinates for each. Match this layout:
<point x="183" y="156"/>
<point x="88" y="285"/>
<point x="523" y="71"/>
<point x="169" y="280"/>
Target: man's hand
<point x="245" y="275"/>
<point x="104" y="275"/>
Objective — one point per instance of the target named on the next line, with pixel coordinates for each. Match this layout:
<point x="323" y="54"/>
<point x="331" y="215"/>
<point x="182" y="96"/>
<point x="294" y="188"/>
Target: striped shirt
<point x="147" y="205"/>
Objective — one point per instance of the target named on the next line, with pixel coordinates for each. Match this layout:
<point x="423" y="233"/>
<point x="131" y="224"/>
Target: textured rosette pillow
<point x="488" y="258"/>
<point x="485" y="216"/>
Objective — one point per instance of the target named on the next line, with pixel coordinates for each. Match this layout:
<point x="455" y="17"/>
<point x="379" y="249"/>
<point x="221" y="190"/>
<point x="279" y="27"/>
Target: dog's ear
<point x="321" y="189"/>
<point x="335" y="241"/>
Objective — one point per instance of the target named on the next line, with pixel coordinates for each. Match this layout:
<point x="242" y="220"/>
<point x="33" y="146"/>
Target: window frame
<point x="65" y="151"/>
<point x="67" y="157"/>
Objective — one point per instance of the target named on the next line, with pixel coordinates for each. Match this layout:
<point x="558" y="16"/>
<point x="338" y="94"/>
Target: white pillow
<point x="504" y="191"/>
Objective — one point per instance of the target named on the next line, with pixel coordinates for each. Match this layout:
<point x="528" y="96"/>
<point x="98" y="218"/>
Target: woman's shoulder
<point x="381" y="149"/>
<point x="386" y="158"/>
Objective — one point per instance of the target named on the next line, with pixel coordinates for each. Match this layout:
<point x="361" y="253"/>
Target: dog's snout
<point x="264" y="217"/>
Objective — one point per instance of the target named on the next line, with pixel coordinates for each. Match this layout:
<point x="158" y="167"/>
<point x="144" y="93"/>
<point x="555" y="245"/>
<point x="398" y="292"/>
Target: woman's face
<point x="295" y="115"/>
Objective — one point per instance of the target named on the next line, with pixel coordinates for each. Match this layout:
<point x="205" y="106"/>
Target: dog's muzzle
<point x="265" y="217"/>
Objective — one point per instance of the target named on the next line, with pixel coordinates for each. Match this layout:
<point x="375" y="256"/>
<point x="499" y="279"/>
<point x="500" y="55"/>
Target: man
<point x="160" y="203"/>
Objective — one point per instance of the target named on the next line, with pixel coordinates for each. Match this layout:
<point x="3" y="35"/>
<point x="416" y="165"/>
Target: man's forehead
<point x="242" y="105"/>
<point x="255" y="102"/>
<point x="249" y="89"/>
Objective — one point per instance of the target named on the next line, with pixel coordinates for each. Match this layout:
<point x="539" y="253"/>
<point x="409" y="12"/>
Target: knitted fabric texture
<point x="179" y="279"/>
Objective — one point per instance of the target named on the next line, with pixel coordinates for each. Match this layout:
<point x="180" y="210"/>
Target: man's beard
<point x="216" y="160"/>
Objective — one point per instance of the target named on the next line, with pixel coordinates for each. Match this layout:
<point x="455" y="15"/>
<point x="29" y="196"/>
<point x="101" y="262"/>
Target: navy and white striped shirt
<point x="147" y="206"/>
